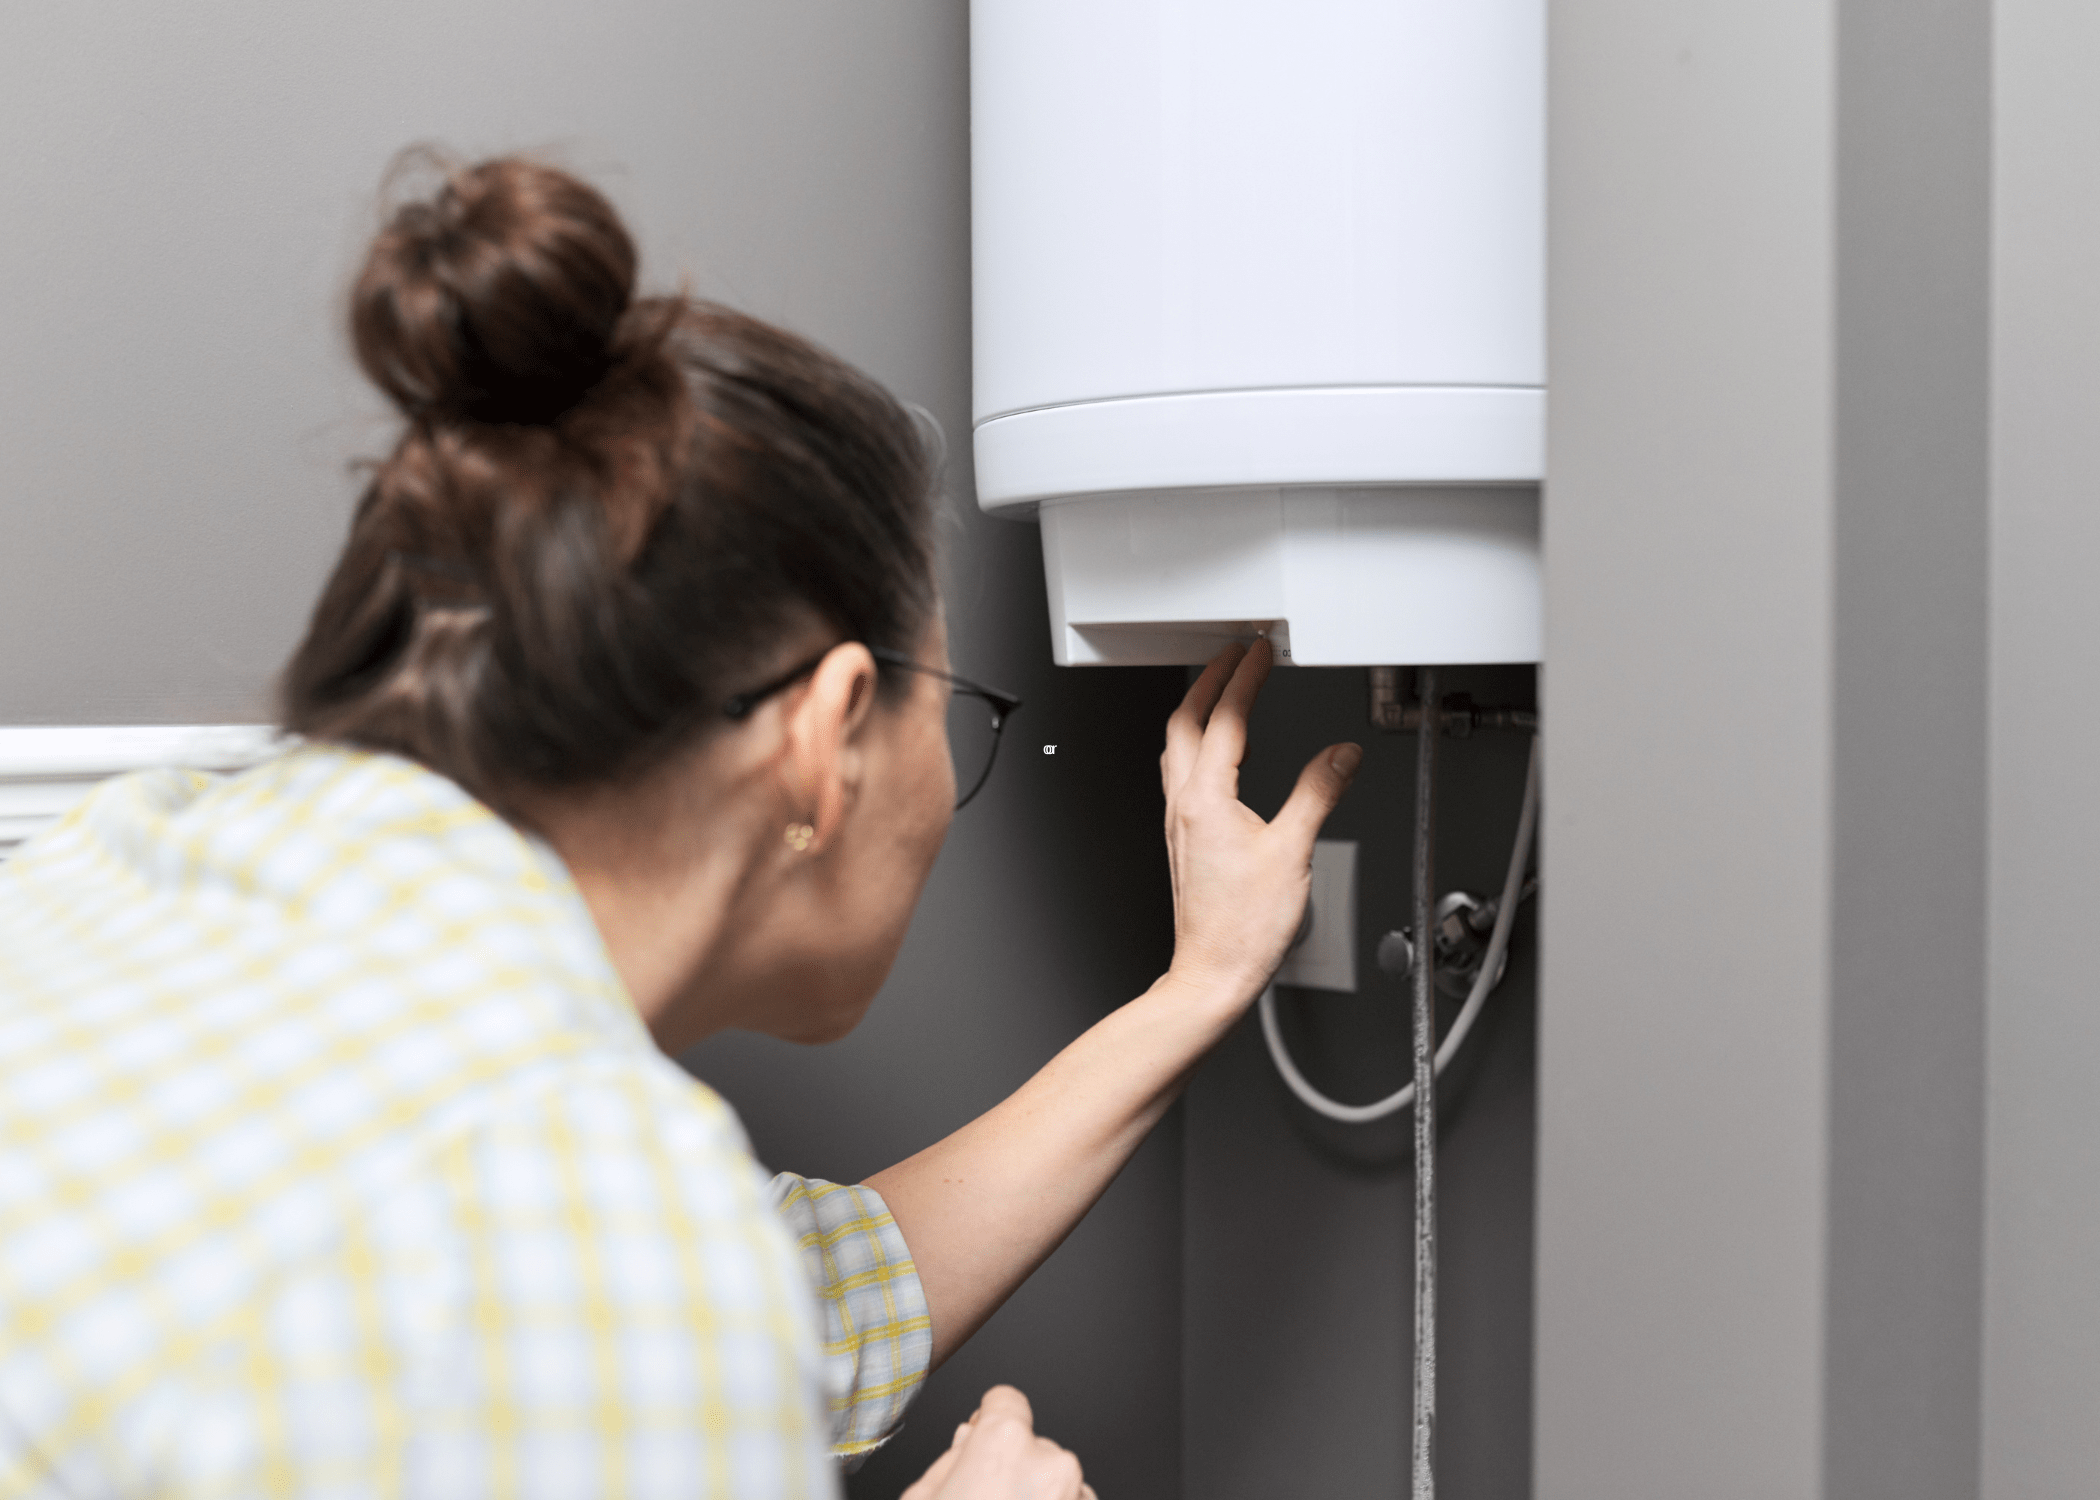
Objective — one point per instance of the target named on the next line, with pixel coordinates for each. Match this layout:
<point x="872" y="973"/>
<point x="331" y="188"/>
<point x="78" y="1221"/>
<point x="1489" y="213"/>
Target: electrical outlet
<point x="1326" y="958"/>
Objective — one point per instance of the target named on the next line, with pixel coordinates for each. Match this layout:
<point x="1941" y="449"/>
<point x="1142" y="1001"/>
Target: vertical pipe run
<point x="1425" y="1093"/>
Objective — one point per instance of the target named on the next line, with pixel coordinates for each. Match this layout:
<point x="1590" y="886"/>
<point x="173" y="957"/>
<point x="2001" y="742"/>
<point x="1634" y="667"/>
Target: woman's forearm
<point x="983" y="1208"/>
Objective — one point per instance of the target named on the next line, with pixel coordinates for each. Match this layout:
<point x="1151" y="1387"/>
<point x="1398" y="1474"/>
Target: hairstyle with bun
<point x="604" y="510"/>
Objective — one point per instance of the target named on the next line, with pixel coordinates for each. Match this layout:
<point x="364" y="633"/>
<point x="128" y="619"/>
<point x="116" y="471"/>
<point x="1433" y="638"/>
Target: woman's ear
<point x="824" y="755"/>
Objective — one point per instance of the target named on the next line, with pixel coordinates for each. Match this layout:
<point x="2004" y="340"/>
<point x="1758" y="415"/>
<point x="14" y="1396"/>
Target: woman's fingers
<point x="1004" y="1401"/>
<point x="1185" y="725"/>
<point x="1320" y="786"/>
<point x="1057" y="1474"/>
<point x="997" y="1456"/>
<point x="1225" y="737"/>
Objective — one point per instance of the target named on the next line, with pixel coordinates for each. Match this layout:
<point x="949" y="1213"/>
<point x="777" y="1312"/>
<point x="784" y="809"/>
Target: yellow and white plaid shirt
<point x="334" y="1160"/>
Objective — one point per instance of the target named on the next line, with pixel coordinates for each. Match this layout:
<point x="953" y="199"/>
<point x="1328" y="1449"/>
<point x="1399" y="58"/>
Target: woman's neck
<point x="663" y="866"/>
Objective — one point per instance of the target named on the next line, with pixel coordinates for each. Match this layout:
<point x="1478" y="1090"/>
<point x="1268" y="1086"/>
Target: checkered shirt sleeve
<point x="877" y="1337"/>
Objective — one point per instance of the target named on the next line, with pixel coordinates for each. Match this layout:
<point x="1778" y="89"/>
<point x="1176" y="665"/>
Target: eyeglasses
<point x="976" y="715"/>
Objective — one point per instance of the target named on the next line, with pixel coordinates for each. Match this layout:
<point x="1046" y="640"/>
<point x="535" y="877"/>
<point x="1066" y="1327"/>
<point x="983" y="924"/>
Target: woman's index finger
<point x="1185" y="724"/>
<point x="1225" y="736"/>
<point x="1204" y="692"/>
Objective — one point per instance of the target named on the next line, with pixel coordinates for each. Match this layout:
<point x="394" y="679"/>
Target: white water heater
<point x="1259" y="324"/>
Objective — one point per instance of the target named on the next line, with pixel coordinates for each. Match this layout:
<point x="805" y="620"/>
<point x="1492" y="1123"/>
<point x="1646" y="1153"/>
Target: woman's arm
<point x="983" y="1208"/>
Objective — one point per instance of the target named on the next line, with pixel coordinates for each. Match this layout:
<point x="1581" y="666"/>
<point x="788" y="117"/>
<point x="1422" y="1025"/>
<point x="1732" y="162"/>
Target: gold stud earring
<point x="800" y="836"/>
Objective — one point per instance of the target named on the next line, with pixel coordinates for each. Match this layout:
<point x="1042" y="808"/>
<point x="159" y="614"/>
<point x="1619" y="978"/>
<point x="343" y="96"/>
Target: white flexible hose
<point x="1491" y="966"/>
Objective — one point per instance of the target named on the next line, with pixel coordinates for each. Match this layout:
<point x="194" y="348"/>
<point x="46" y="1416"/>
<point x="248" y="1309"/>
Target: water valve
<point x="1463" y="923"/>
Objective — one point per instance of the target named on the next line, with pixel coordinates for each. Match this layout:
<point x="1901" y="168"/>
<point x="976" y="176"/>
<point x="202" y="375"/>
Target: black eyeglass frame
<point x="1002" y="704"/>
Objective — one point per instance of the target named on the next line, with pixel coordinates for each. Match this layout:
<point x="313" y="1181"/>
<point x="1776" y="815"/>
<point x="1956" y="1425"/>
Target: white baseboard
<point x="44" y="770"/>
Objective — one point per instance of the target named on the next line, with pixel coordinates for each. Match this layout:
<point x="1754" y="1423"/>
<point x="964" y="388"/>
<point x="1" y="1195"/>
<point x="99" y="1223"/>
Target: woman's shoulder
<point x="304" y="985"/>
<point x="312" y="831"/>
<point x="323" y="868"/>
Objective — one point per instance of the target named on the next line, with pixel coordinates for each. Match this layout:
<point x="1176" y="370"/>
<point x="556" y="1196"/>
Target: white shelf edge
<point x="46" y="769"/>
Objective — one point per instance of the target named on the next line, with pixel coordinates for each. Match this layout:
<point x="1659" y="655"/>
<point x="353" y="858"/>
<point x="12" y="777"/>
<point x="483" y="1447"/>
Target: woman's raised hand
<point x="1240" y="884"/>
<point x="997" y="1456"/>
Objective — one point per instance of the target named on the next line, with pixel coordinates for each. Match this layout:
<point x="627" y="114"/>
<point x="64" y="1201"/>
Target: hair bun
<point x="499" y="299"/>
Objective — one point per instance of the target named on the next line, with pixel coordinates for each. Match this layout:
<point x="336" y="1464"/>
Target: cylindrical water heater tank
<point x="1259" y="325"/>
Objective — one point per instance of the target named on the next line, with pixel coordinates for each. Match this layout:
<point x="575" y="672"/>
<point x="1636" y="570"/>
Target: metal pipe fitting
<point x="1393" y="688"/>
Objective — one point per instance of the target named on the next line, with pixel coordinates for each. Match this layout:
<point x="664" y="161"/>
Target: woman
<point x="341" y="1148"/>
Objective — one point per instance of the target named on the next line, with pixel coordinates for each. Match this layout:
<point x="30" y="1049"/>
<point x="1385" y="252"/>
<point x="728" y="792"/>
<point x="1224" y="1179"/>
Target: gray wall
<point x="1761" y="1046"/>
<point x="2042" y="1309"/>
<point x="1909" y="785"/>
<point x="188" y="189"/>
<point x="1687" y="693"/>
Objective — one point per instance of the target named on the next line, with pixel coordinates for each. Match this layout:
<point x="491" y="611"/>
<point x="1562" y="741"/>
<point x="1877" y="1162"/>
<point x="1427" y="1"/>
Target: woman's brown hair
<point x="604" y="512"/>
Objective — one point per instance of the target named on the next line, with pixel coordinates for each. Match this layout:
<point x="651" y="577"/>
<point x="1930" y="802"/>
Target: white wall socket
<point x="1326" y="960"/>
